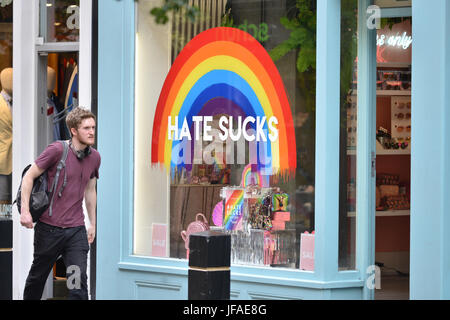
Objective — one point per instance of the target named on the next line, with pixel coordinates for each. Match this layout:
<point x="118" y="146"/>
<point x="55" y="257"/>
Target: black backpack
<point x="40" y="197"/>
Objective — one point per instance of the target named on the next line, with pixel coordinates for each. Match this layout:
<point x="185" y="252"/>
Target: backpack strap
<point x="61" y="165"/>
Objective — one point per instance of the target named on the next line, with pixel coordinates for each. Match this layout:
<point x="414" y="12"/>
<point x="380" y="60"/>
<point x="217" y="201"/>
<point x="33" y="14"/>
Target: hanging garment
<point x="68" y="71"/>
<point x="72" y="88"/>
<point x="56" y="126"/>
<point x="59" y="121"/>
<point x="61" y="132"/>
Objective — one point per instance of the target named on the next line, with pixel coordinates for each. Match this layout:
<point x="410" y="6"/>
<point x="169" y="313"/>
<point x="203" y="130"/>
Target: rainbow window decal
<point x="225" y="67"/>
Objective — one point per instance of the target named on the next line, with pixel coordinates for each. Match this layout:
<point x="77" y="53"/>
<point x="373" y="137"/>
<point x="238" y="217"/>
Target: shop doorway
<point x="58" y="93"/>
<point x="393" y="157"/>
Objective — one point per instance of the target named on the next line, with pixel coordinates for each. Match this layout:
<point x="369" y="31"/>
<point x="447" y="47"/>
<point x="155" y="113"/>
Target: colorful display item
<point x="259" y="212"/>
<point x="280" y="202"/>
<point x="234" y="208"/>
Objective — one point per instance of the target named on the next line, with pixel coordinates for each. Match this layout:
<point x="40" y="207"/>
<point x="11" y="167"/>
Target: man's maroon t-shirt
<point x="68" y="209"/>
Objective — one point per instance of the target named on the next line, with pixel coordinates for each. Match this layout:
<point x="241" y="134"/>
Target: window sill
<point x="270" y="276"/>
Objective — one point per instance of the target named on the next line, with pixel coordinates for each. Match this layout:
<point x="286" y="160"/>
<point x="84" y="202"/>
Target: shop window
<point x="348" y="135"/>
<point x="225" y="130"/>
<point x="6" y="105"/>
<point x="60" y="20"/>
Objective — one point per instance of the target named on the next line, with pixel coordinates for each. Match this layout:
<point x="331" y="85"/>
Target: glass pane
<point x="347" y="208"/>
<point x="60" y="20"/>
<point x="225" y="127"/>
<point x="6" y="56"/>
<point x="393" y="146"/>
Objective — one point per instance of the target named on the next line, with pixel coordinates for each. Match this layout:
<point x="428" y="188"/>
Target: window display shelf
<point x="393" y="92"/>
<point x="394" y="65"/>
<point x="387" y="92"/>
<point x="392" y="152"/>
<point x="199" y="185"/>
<point x="381" y="151"/>
<point x="392" y="213"/>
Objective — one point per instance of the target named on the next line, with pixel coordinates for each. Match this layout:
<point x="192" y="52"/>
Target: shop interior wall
<point x="392" y="234"/>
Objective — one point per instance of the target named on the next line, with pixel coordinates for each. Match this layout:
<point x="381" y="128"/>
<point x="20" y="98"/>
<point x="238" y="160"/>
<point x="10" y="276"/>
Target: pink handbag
<point x="200" y="224"/>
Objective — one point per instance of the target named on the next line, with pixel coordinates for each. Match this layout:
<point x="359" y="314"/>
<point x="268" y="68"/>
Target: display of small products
<point x="388" y="142"/>
<point x="259" y="213"/>
<point x="389" y="80"/>
<point x="268" y="212"/>
<point x="399" y="202"/>
<point x="394" y="80"/>
<point x="391" y="194"/>
<point x="401" y="119"/>
<point x="351" y="121"/>
<point x="387" y="179"/>
<point x="203" y="175"/>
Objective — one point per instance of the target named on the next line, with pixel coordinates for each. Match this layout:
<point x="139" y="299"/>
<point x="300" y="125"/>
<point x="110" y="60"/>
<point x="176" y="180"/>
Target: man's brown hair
<point x="76" y="116"/>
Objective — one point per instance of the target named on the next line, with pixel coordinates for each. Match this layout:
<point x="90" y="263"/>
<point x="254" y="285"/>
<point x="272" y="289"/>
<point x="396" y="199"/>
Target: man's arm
<point x="27" y="185"/>
<point x="90" y="196"/>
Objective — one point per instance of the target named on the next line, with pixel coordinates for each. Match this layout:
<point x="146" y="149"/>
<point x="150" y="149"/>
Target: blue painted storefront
<point x="122" y="275"/>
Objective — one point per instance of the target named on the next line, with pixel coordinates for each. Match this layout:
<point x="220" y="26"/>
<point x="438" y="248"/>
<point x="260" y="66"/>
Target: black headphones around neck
<point x="81" y="154"/>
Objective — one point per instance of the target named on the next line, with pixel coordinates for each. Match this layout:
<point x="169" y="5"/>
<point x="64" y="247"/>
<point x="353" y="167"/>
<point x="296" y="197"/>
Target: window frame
<point x="326" y="274"/>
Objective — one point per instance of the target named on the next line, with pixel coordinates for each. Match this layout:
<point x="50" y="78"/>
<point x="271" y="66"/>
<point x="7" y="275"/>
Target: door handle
<point x="373" y="164"/>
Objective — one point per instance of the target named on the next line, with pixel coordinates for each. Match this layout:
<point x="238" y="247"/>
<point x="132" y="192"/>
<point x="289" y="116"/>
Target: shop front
<point x="259" y="119"/>
<point x="52" y="75"/>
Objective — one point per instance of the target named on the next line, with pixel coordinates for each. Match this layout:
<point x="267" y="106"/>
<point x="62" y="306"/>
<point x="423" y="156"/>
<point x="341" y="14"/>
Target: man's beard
<point x="85" y="142"/>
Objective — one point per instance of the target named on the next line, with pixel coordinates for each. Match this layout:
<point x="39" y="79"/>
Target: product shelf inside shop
<point x="388" y="92"/>
<point x="381" y="151"/>
<point x="392" y="213"/>
<point x="393" y="65"/>
<point x="393" y="152"/>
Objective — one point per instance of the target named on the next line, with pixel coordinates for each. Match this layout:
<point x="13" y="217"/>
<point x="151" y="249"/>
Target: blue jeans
<point x="49" y="243"/>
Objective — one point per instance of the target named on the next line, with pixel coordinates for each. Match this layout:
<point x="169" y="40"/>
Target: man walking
<point x="63" y="232"/>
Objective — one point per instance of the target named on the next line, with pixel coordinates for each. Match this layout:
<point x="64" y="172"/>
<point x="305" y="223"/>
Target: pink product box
<point x="281" y="216"/>
<point x="278" y="225"/>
